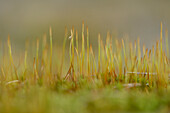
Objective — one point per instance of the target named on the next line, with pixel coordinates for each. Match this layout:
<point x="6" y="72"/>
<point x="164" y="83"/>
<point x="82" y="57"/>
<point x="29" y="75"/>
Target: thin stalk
<point x="88" y="61"/>
<point x="63" y="55"/>
<point x="25" y="59"/>
<point x="166" y="41"/>
<point x="83" y="51"/>
<point x="93" y="60"/>
<point x="161" y="42"/>
<point x="51" y="50"/>
<point x="77" y="51"/>
<point x="11" y="58"/>
<point x="99" y="47"/>
<point x="37" y="61"/>
<point x="72" y="43"/>
<point x="124" y="52"/>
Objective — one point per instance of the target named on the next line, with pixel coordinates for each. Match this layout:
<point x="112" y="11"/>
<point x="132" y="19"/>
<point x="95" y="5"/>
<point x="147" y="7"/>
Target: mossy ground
<point x="123" y="77"/>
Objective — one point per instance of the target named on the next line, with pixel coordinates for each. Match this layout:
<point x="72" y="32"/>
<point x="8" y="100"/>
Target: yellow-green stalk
<point x="25" y="60"/>
<point x="72" y="52"/>
<point x="35" y="73"/>
<point x="78" y="63"/>
<point x="135" y="49"/>
<point x="166" y="41"/>
<point x="92" y="63"/>
<point x="157" y="63"/>
<point x="139" y="59"/>
<point x="120" y="61"/>
<point x="78" y="58"/>
<point x="63" y="55"/>
<point x="149" y="65"/>
<point x="11" y="59"/>
<point x="72" y="43"/>
<point x="103" y="56"/>
<point x="124" y="53"/>
<point x="107" y="49"/>
<point x="166" y="74"/>
<point x="51" y="49"/>
<point x="161" y="42"/>
<point x="3" y="73"/>
<point x="77" y="41"/>
<point x="37" y="62"/>
<point x="98" y="54"/>
<point x="135" y="69"/>
<point x="112" y="67"/>
<point x="88" y="60"/>
<point x="144" y="59"/>
<point x="44" y="54"/>
<point x="93" y="60"/>
<point x="131" y="56"/>
<point x="162" y="75"/>
<point x="153" y="65"/>
<point x="83" y="51"/>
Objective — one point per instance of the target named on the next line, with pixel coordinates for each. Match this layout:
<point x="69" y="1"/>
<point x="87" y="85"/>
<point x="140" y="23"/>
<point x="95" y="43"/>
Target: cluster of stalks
<point x="118" y="61"/>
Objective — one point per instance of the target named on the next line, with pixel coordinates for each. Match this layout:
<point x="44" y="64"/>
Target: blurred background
<point x="31" y="19"/>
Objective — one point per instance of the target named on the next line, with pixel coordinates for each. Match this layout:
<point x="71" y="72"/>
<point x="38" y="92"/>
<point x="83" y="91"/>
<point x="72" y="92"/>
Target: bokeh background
<point x="31" y="19"/>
